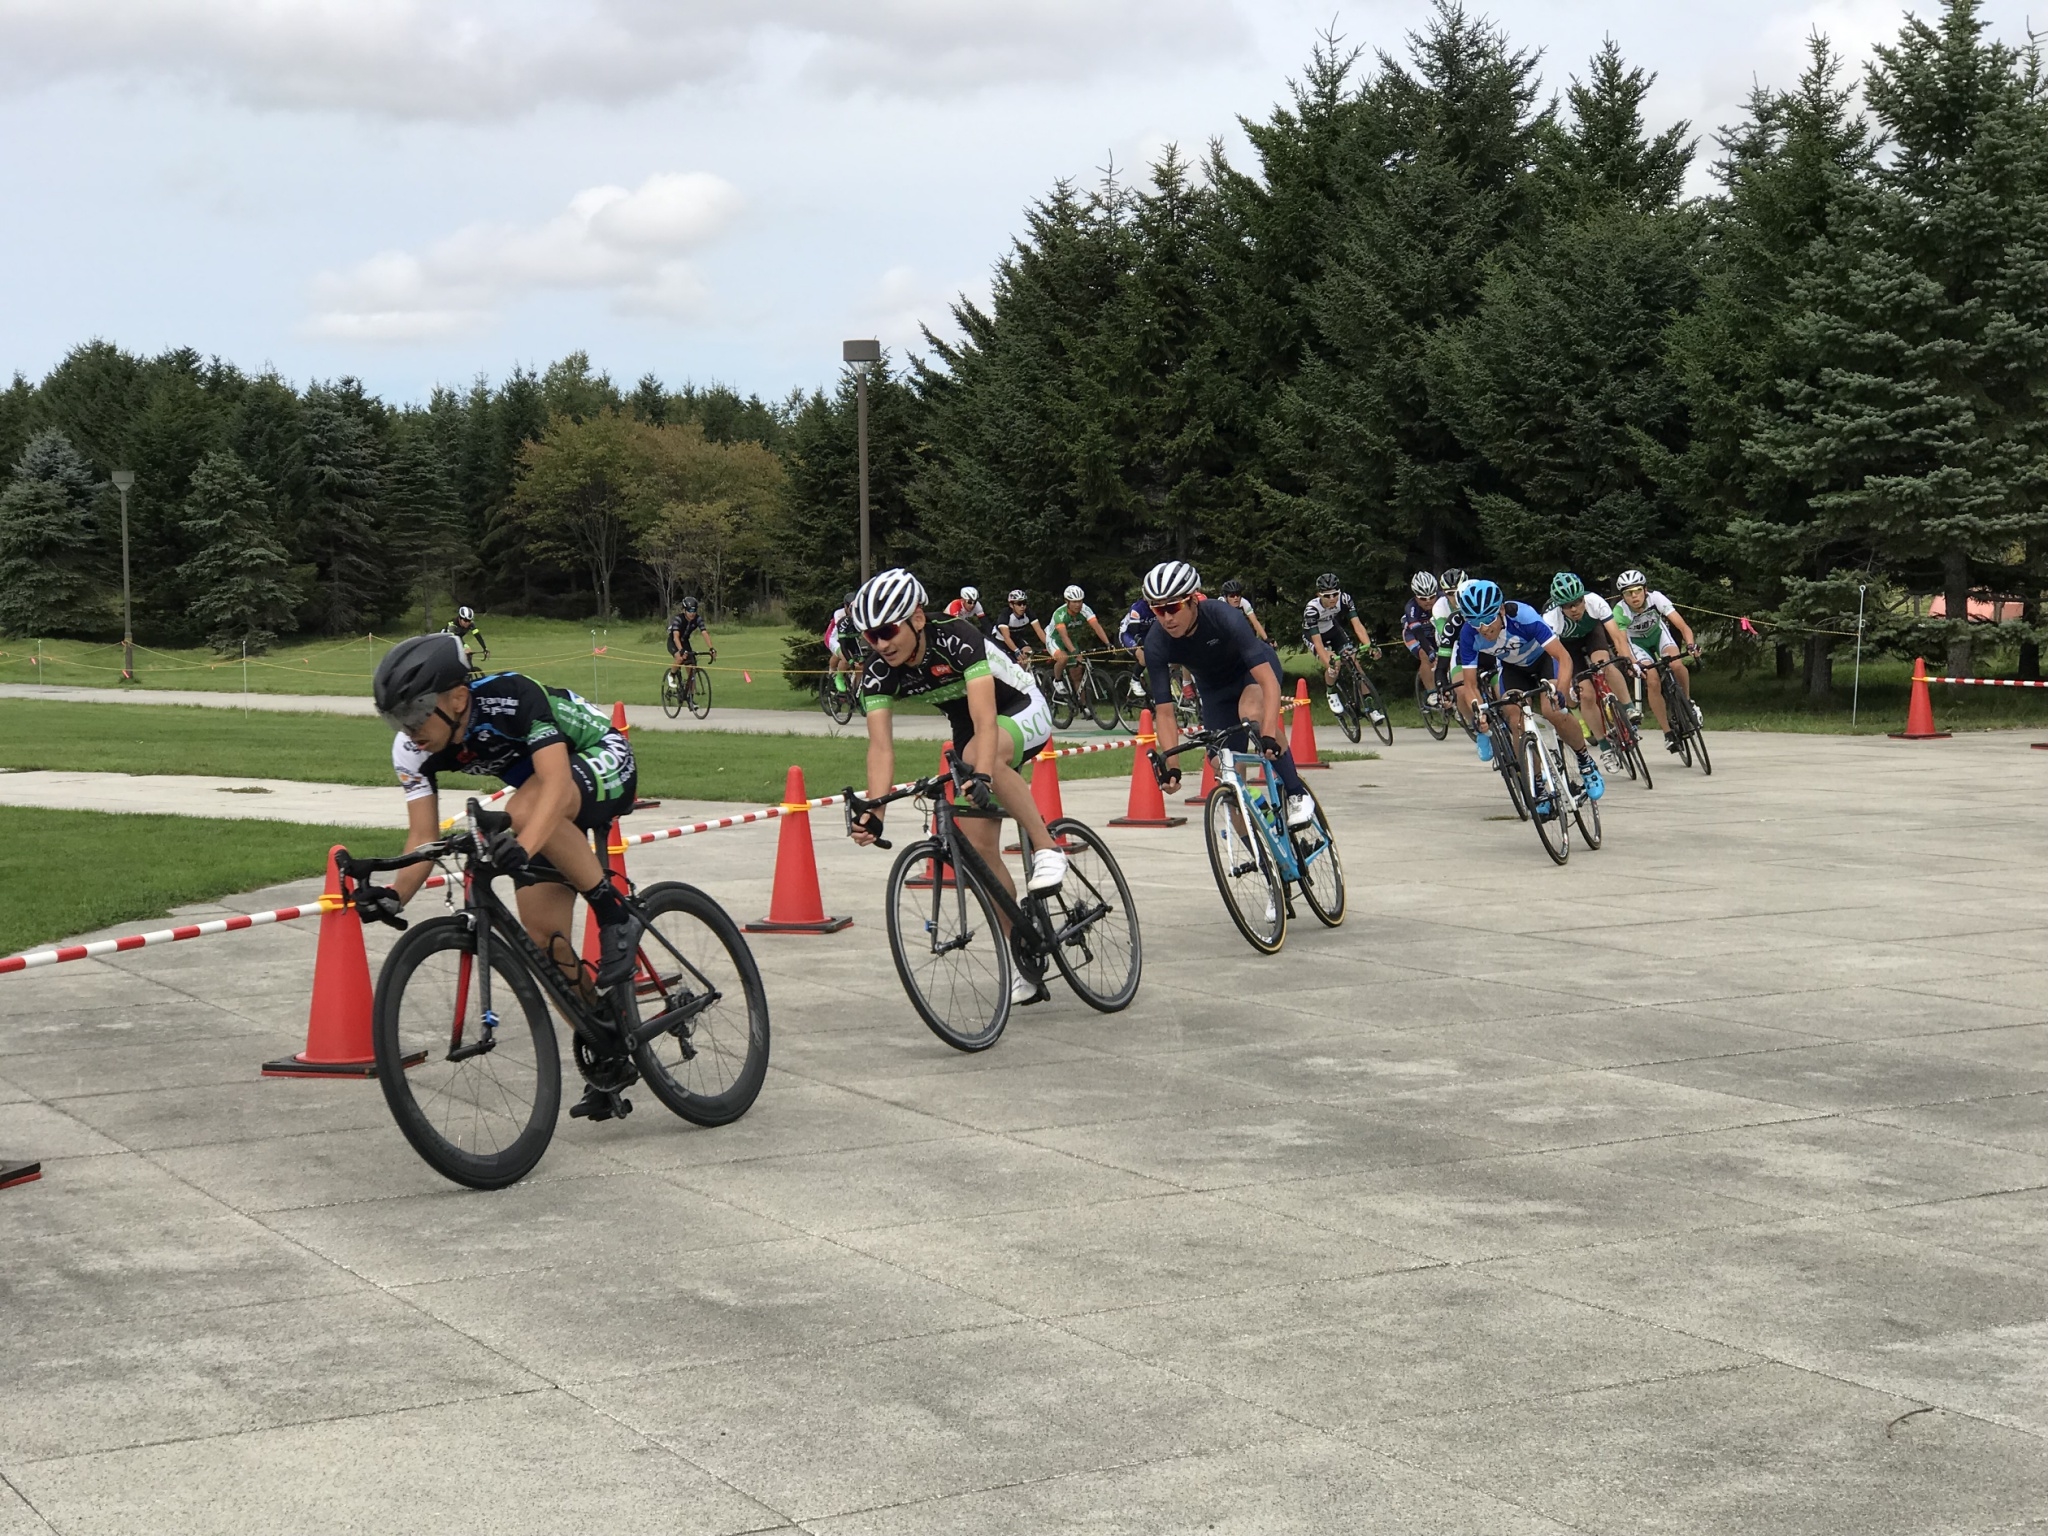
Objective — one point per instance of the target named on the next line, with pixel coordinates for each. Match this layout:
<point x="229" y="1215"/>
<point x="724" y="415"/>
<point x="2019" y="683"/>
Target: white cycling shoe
<point x="1336" y="704"/>
<point x="1048" y="869"/>
<point x="1023" y="990"/>
<point x="1300" y="810"/>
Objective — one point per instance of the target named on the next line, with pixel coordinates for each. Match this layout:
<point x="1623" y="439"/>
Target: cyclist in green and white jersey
<point x="1584" y="621"/>
<point x="1069" y="615"/>
<point x="1649" y="618"/>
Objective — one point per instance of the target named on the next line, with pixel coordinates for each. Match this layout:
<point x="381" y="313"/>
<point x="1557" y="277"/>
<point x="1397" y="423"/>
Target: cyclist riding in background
<point x="1585" y="623"/>
<point x="1016" y="626"/>
<point x="571" y="774"/>
<point x="1137" y="623"/>
<point x="1528" y="655"/>
<point x="464" y="629"/>
<point x="1418" y="628"/>
<point x="1236" y="673"/>
<point x="1233" y="594"/>
<point x="682" y="631"/>
<point x="968" y="606"/>
<point x="1648" y="619"/>
<point x="1065" y="648"/>
<point x="1329" y="609"/>
<point x="842" y="644"/>
<point x="998" y="715"/>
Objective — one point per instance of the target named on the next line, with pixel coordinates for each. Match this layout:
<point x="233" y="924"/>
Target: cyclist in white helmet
<point x="1647" y="617"/>
<point x="474" y="646"/>
<point x="1073" y="611"/>
<point x="968" y="606"/>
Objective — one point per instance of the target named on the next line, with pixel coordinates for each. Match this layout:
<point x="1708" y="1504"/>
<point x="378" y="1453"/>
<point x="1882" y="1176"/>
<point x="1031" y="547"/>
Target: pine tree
<point x="342" y="530"/>
<point x="424" y="514"/>
<point x="239" y="585"/>
<point x="49" y="554"/>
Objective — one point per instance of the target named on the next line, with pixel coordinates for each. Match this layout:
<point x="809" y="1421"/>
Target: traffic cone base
<point x="1919" y="709"/>
<point x="1303" y="742"/>
<point x="338" y="1021"/>
<point x="1146" y="806"/>
<point x="12" y="1174"/>
<point x="795" y="905"/>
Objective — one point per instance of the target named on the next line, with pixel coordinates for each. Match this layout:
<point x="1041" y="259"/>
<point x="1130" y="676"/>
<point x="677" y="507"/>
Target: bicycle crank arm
<point x="673" y="1020"/>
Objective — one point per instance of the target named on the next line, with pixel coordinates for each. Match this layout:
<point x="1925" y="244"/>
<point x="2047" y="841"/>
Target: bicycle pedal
<point x="601" y="1104"/>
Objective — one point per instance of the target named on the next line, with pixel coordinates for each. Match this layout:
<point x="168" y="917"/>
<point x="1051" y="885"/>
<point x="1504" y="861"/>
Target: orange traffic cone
<point x="338" y="1025"/>
<point x="1919" y="710"/>
<point x="1304" y="742"/>
<point x="619" y="716"/>
<point x="796" y="905"/>
<point x="1208" y="781"/>
<point x="612" y="854"/>
<point x="1147" y="806"/>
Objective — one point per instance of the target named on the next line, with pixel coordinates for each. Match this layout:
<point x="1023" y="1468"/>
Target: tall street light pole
<point x="864" y="353"/>
<point x="123" y="479"/>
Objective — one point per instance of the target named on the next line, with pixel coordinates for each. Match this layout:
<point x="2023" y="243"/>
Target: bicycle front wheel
<point x="1352" y="716"/>
<point x="1094" y="923"/>
<point x="475" y="1092"/>
<point x="708" y="1067"/>
<point x="671" y="695"/>
<point x="1434" y="719"/>
<point x="1699" y="749"/>
<point x="1322" y="872"/>
<point x="949" y="949"/>
<point x="1253" y="892"/>
<point x="1586" y="812"/>
<point x="1545" y="799"/>
<point x="698" y="693"/>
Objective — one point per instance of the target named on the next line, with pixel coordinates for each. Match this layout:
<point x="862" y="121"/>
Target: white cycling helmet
<point x="1074" y="594"/>
<point x="1630" y="578"/>
<point x="466" y="614"/>
<point x="970" y="594"/>
<point x="888" y="597"/>
<point x="1424" y="585"/>
<point x="1016" y="596"/>
<point x="1170" y="579"/>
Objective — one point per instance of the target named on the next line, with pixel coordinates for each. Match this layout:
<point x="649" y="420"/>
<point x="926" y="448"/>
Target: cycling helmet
<point x="465" y="614"/>
<point x="1328" y="582"/>
<point x="1565" y="589"/>
<point x="847" y="601"/>
<point x="689" y="605"/>
<point x="1073" y="594"/>
<point x="413" y="674"/>
<point x="1170" y="579"/>
<point x="1451" y="580"/>
<point x="888" y="598"/>
<point x="970" y="594"/>
<point x="1233" y="588"/>
<point x="1424" y="585"/>
<point x="1017" y="596"/>
<point x="1630" y="578"/>
<point x="1480" y="600"/>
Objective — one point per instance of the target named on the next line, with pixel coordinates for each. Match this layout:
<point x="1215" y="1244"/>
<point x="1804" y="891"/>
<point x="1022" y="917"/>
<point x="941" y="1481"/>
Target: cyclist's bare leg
<point x="546" y="910"/>
<point x="1653" y="689"/>
<point x="1562" y="721"/>
<point x="991" y="755"/>
<point x="1684" y="677"/>
<point x="1428" y="664"/>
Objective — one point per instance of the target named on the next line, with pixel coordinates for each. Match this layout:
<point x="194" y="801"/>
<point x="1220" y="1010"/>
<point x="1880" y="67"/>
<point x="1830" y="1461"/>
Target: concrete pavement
<point x="1696" y="1187"/>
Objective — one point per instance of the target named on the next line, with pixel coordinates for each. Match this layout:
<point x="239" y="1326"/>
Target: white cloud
<point x="629" y="245"/>
<point x="496" y="58"/>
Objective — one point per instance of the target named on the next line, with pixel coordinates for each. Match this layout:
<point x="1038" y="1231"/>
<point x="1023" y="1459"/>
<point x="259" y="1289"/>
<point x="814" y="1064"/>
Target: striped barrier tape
<point x="1986" y="682"/>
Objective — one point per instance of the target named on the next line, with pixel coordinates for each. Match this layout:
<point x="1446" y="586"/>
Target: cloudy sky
<point x="417" y="191"/>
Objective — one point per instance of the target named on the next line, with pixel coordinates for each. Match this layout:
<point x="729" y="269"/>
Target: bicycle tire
<point x="1237" y="850"/>
<point x="1351" y="718"/>
<point x="1375" y="707"/>
<point x="1187" y="700"/>
<point x="837" y="702"/>
<point x="1586" y="812"/>
<point x="1061" y="704"/>
<point x="1553" y="829"/>
<point x="1325" y="893"/>
<point x="1505" y="763"/>
<point x="1097" y="699"/>
<point x="414" y="1029"/>
<point x="720" y="1048"/>
<point x="981" y="989"/>
<point x="671" y="696"/>
<point x="698" y="694"/>
<point x="1434" y="720"/>
<point x="1093" y="875"/>
<point x="1619" y="736"/>
<point x="1698" y="735"/>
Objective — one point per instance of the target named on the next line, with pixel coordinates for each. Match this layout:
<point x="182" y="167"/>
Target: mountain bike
<point x="466" y="1050"/>
<point x="1684" y="716"/>
<point x="1553" y="796"/>
<point x="1360" y="697"/>
<point x="1258" y="860"/>
<point x="686" y="687"/>
<point x="946" y="936"/>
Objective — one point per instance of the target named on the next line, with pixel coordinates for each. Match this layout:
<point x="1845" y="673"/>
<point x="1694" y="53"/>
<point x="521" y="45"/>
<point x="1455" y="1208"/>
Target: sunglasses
<point x="883" y="632"/>
<point x="1167" y="610"/>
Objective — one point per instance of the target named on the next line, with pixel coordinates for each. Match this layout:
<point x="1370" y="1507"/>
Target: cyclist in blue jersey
<point x="1137" y="623"/>
<point x="1418" y="627"/>
<point x="571" y="773"/>
<point x="1236" y="673"/>
<point x="1529" y="656"/>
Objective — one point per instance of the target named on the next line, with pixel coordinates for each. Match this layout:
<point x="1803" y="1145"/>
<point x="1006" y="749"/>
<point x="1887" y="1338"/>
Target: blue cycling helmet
<point x="1480" y="600"/>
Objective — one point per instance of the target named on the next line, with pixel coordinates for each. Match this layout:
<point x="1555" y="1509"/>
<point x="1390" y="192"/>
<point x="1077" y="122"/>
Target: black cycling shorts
<point x="1517" y="679"/>
<point x="1581" y="650"/>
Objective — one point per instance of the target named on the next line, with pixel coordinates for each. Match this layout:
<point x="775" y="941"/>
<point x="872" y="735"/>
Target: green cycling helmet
<point x="1565" y="589"/>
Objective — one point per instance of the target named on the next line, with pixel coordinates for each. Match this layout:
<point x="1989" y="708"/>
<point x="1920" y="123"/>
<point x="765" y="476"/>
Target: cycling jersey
<point x="959" y="609"/>
<point x="1316" y="620"/>
<point x="1130" y="634"/>
<point x="1069" y="614"/>
<point x="1013" y="630"/>
<point x="1221" y="652"/>
<point x="956" y="653"/>
<point x="511" y="717"/>
<point x="840" y="637"/>
<point x="1520" y="643"/>
<point x="1646" y="630"/>
<point x="1244" y="606"/>
<point x="1418" y="629"/>
<point x="680" y="628"/>
<point x="1589" y="625"/>
<point x="472" y="638"/>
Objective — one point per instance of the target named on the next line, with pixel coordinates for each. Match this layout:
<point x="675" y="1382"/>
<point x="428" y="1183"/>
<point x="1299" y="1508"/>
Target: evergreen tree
<point x="424" y="514"/>
<point x="49" y="547"/>
<point x="239" y="585"/>
<point x="341" y="530"/>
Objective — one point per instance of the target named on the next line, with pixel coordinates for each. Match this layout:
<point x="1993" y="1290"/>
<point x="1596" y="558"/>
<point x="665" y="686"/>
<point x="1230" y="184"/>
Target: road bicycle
<point x="839" y="696"/>
<point x="686" y="687"/>
<point x="1133" y="696"/>
<point x="1624" y="740"/>
<point x="1357" y="702"/>
<point x="1090" y="690"/>
<point x="466" y="1049"/>
<point x="1684" y="718"/>
<point x="1258" y="860"/>
<point x="1500" y="735"/>
<point x="1553" y="796"/>
<point x="946" y="911"/>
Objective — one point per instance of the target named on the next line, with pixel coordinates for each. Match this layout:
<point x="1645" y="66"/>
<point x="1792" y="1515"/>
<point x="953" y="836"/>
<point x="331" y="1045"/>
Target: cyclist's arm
<point x="422" y="825"/>
<point x="881" y="749"/>
<point x="1623" y="653"/>
<point x="709" y="643"/>
<point x="1684" y="629"/>
<point x="1258" y="628"/>
<point x="1267" y="676"/>
<point x="1358" y="628"/>
<point x="1563" y="658"/>
<point x="1100" y="633"/>
<point x="1039" y="630"/>
<point x="482" y="644"/>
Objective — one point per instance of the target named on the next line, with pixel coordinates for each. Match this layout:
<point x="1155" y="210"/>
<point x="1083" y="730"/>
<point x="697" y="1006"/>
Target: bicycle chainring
<point x="607" y="1073"/>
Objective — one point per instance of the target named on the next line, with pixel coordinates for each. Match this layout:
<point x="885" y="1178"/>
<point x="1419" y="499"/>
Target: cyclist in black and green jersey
<point x="571" y="773"/>
<point x="1066" y="618"/>
<point x="1584" y="621"/>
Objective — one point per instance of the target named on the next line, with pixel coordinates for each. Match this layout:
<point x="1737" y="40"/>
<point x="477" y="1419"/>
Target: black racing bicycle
<point x="686" y="686"/>
<point x="1434" y="704"/>
<point x="1684" y="718"/>
<point x="946" y="909"/>
<point x="466" y="1049"/>
<point x="1360" y="696"/>
<point x="839" y="696"/>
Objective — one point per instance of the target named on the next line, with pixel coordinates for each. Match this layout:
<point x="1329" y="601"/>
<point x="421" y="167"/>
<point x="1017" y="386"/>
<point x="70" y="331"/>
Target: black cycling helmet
<point x="1328" y="582"/>
<point x="413" y="674"/>
<point x="1233" y="588"/>
<point x="689" y="605"/>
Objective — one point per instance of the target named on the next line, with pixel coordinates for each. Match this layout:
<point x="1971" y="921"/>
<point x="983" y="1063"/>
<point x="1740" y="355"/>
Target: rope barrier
<point x="1986" y="682"/>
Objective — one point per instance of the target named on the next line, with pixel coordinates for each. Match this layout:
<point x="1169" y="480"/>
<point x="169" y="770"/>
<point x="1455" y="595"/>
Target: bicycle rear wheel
<point x="1586" y="812"/>
<point x="1552" y="827"/>
<point x="1699" y="748"/>
<point x="698" y="694"/>
<point x="835" y="700"/>
<point x="1434" y="720"/>
<point x="1373" y="706"/>
<point x="1253" y="892"/>
<point x="1322" y="872"/>
<point x="1096" y="943"/>
<point x="949" y="949"/>
<point x="476" y="1096"/>
<point x="709" y="1067"/>
<point x="671" y="695"/>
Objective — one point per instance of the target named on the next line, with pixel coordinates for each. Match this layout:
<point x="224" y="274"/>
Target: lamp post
<point x="862" y="352"/>
<point x="123" y="479"/>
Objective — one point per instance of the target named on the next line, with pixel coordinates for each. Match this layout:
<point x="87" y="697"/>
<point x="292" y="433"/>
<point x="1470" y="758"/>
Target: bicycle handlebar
<point x="959" y="776"/>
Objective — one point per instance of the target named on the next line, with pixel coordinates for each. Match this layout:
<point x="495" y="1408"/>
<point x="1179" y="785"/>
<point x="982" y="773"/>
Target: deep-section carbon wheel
<point x="949" y="949"/>
<point x="709" y="1066"/>
<point x="1351" y="718"/>
<point x="1094" y="923"/>
<point x="1373" y="707"/>
<point x="1436" y="721"/>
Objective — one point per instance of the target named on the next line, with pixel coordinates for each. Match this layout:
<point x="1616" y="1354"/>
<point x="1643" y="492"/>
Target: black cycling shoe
<point x="601" y="1104"/>
<point x="617" y="944"/>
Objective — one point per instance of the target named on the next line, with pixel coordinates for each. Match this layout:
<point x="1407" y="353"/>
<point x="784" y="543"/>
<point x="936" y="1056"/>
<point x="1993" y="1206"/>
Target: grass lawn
<point x="70" y="872"/>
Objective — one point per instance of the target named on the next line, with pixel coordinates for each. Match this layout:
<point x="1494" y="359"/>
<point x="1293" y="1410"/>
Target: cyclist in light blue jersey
<point x="1528" y="655"/>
